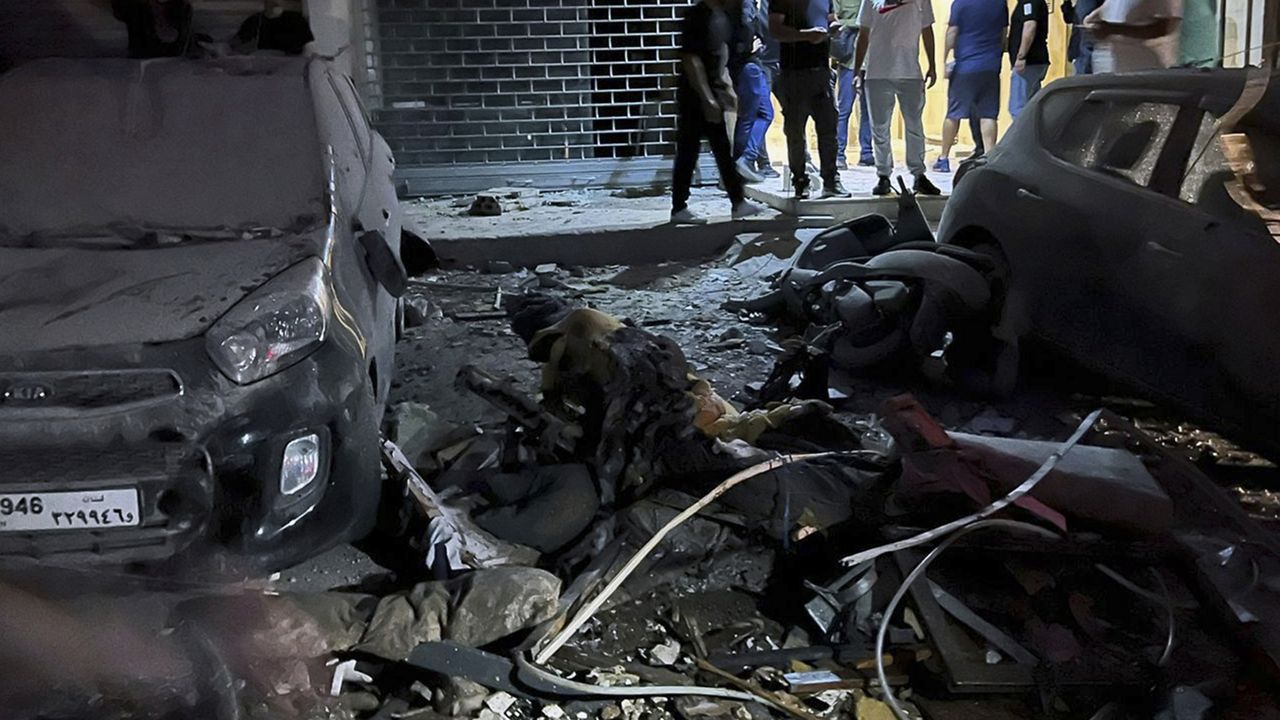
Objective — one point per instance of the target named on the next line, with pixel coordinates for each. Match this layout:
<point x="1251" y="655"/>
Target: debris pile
<point x="629" y="545"/>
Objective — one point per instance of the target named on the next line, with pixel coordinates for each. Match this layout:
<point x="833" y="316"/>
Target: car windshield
<point x="100" y="150"/>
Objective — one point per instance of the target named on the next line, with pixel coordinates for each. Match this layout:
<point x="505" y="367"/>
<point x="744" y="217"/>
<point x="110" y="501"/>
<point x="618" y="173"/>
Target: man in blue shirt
<point x="976" y="36"/>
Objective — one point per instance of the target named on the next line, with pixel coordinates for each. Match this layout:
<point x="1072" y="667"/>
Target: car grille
<point x="175" y="499"/>
<point x="80" y="391"/>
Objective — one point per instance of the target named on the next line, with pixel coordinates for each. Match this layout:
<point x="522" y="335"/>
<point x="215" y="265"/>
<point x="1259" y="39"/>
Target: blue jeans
<point x="1023" y="86"/>
<point x="755" y="113"/>
<point x="844" y="113"/>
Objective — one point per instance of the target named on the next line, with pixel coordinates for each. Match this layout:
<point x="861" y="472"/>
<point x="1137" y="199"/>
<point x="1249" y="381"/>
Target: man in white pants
<point x="888" y="60"/>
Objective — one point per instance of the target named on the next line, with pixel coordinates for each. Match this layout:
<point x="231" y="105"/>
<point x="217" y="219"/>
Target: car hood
<point x="60" y="298"/>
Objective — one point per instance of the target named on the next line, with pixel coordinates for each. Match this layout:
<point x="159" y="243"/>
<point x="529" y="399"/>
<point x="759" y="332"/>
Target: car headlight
<point x="275" y="326"/>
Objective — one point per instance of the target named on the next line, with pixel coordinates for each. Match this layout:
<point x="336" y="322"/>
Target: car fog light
<point x="300" y="464"/>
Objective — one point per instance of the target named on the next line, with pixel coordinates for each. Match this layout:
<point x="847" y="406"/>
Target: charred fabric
<point x="631" y="545"/>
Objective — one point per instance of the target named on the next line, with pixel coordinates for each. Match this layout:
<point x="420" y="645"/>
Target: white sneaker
<point x="746" y="209"/>
<point x="687" y="217"/>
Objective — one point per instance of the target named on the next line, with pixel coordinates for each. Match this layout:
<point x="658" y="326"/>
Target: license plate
<point x="83" y="509"/>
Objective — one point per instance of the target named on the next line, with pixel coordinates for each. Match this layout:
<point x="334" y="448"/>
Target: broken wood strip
<point x="482" y="315"/>
<point x="413" y="282"/>
<point x="778" y="700"/>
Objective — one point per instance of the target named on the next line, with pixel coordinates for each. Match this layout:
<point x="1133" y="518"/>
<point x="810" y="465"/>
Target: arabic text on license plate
<point x="82" y="509"/>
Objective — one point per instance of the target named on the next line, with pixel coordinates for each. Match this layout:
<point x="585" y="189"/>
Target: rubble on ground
<point x="635" y="539"/>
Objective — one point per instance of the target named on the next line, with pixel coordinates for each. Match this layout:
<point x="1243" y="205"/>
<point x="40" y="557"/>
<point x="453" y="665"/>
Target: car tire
<point x="999" y="361"/>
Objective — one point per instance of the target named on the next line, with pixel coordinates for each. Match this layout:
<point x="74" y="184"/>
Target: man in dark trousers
<point x="801" y="27"/>
<point x="704" y="95"/>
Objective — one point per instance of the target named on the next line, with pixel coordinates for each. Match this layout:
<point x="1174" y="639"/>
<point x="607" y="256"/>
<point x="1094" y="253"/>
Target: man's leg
<point x="688" y="141"/>
<point x="718" y="139"/>
<point x="975" y="131"/>
<point x="760" y="110"/>
<point x="1017" y="92"/>
<point x="910" y="95"/>
<point x="950" y="127"/>
<point x="880" y="98"/>
<point x="794" y="119"/>
<point x="844" y="99"/>
<point x="1035" y="78"/>
<point x="989" y="129"/>
<point x="823" y="106"/>
<point x="866" y="156"/>
<point x="746" y="118"/>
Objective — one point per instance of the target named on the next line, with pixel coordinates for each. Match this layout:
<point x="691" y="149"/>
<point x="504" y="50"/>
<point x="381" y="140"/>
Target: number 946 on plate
<point x="79" y="510"/>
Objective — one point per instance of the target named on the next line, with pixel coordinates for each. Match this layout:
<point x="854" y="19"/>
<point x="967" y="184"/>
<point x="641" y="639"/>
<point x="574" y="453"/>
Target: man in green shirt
<point x="846" y="89"/>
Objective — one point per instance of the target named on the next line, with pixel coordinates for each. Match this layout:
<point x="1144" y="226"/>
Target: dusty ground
<point x="683" y="301"/>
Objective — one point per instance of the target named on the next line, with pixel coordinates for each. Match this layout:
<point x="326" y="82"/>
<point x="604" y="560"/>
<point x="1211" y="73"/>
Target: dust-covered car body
<point x="198" y="310"/>
<point x="1131" y="240"/>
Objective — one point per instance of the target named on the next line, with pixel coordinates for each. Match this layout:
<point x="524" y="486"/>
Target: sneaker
<point x="943" y="165"/>
<point x="866" y="161"/>
<point x="883" y="186"/>
<point x="834" y="189"/>
<point x="924" y="187"/>
<point x="841" y="163"/>
<point x="767" y="172"/>
<point x="802" y="191"/>
<point x="686" y="216"/>
<point x="810" y="167"/>
<point x="746" y="173"/>
<point x="746" y="209"/>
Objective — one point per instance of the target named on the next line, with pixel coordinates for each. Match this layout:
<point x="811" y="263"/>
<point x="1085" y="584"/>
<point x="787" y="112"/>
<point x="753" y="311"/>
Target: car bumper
<point x="203" y="453"/>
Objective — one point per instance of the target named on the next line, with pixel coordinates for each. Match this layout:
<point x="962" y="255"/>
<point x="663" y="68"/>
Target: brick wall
<point x="488" y="81"/>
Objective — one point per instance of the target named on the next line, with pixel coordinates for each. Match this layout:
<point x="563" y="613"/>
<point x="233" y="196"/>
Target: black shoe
<point x="834" y="189"/>
<point x="802" y="190"/>
<point x="883" y="186"/>
<point x="924" y="187"/>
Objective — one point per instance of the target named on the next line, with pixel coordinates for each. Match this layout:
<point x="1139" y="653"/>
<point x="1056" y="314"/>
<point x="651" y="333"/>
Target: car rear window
<point x="169" y="143"/>
<point x="1091" y="131"/>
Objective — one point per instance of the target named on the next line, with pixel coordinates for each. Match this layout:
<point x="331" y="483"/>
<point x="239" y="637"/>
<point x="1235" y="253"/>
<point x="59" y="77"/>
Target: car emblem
<point x="27" y="392"/>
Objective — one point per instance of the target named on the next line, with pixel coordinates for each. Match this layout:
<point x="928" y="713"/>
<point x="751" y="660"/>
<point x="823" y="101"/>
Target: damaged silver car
<point x="199" y="282"/>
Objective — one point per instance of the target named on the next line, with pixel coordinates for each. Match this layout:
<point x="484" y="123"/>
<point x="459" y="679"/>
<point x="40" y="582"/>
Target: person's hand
<point x="1020" y="65"/>
<point x="949" y="69"/>
<point x="757" y="45"/>
<point x="1094" y="24"/>
<point x="859" y="79"/>
<point x="814" y="35"/>
<point x="930" y="77"/>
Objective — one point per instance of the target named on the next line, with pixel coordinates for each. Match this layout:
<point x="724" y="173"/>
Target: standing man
<point x="703" y="97"/>
<point x="889" y="58"/>
<point x="1132" y="35"/>
<point x="1080" y="45"/>
<point x="975" y="33"/>
<point x="1028" y="51"/>
<point x="844" y="44"/>
<point x="801" y="27"/>
<point x="755" y="107"/>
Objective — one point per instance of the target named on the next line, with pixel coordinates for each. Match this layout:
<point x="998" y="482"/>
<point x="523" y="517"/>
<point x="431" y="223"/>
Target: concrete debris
<point x="485" y="206"/>
<point x="476" y="609"/>
<point x="500" y="702"/>
<point x="499" y="267"/>
<point x="666" y="654"/>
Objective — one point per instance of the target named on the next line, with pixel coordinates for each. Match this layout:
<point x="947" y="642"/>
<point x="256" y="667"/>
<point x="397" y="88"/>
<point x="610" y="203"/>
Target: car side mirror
<point x="1125" y="151"/>
<point x="383" y="264"/>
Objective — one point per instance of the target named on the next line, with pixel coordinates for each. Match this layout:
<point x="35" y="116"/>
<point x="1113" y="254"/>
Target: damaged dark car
<point x="198" y="310"/>
<point x="1134" y="221"/>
